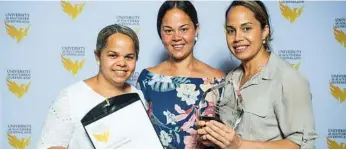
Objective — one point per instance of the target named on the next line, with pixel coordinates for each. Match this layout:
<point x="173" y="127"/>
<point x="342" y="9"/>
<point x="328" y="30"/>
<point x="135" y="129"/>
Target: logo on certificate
<point x="101" y="133"/>
<point x="102" y="137"/>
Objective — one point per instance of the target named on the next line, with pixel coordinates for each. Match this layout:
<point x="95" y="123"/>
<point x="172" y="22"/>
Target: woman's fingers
<point x="217" y="133"/>
<point x="214" y="140"/>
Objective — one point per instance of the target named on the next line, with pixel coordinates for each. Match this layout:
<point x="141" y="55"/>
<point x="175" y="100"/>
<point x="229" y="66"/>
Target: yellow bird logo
<point x="334" y="145"/>
<point x="290" y="14"/>
<point x="338" y="93"/>
<point x="15" y="33"/>
<point x="137" y="30"/>
<point x="102" y="137"/>
<point x="296" y="66"/>
<point x="18" y="143"/>
<point x="17" y="90"/>
<point x="72" y="67"/>
<point x="340" y="36"/>
<point x="72" y="11"/>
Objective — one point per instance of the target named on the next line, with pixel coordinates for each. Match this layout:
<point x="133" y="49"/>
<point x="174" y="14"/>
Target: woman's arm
<point x="294" y="111"/>
<point x="226" y="137"/>
<point x="58" y="129"/>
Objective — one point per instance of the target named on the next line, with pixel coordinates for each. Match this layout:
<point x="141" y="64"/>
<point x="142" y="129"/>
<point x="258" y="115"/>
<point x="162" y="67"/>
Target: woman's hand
<point x="219" y="134"/>
<point x="200" y="132"/>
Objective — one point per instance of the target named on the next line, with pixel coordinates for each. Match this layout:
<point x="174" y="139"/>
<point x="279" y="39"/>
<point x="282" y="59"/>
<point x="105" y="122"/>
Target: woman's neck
<point x="185" y="65"/>
<point x="256" y="63"/>
<point x="107" y="89"/>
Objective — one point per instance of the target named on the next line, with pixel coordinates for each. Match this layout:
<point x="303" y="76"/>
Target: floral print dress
<point x="174" y="105"/>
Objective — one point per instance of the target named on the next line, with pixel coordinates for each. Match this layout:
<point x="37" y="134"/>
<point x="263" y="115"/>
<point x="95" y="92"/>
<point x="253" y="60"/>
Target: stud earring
<point x="196" y="38"/>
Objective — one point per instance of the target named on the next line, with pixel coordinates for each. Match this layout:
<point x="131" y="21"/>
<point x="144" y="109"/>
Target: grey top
<point x="277" y="104"/>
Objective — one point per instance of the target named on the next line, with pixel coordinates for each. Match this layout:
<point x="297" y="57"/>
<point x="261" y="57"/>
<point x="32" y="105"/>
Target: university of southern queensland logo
<point x="17" y="25"/>
<point x="131" y="21"/>
<point x="72" y="58"/>
<point x="337" y="87"/>
<point x="333" y="135"/>
<point x="339" y="31"/>
<point x="18" y="82"/>
<point x="292" y="56"/>
<point x="72" y="10"/>
<point x="291" y="10"/>
<point x="101" y="133"/>
<point x="19" y="136"/>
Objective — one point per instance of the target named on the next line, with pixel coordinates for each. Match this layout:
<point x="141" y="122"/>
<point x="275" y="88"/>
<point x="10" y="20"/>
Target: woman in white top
<point x="116" y="53"/>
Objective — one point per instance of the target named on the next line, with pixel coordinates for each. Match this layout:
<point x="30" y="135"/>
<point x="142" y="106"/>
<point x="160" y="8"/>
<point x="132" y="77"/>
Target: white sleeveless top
<point x="63" y="125"/>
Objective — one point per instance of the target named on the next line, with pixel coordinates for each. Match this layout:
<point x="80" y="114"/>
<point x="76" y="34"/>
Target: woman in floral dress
<point x="175" y="87"/>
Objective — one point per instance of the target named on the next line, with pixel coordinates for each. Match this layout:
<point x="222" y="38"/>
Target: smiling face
<point x="117" y="59"/>
<point x="178" y="34"/>
<point x="244" y="33"/>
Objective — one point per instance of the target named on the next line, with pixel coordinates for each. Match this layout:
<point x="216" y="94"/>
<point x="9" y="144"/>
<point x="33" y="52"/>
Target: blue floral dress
<point x="174" y="104"/>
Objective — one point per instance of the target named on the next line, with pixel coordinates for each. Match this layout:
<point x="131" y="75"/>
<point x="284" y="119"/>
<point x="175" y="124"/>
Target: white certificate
<point x="126" y="126"/>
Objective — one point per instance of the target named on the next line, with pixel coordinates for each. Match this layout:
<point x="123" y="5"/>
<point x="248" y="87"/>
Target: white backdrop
<point x="37" y="59"/>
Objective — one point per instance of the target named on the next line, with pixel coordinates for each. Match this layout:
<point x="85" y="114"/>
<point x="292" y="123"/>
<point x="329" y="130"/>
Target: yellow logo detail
<point x="17" y="90"/>
<point x="334" y="145"/>
<point x="338" y="93"/>
<point x="18" y="143"/>
<point x="296" y="66"/>
<point x="137" y="30"/>
<point x="72" y="11"/>
<point x="102" y="137"/>
<point x="13" y="32"/>
<point x="340" y="36"/>
<point x="72" y="67"/>
<point x="290" y="14"/>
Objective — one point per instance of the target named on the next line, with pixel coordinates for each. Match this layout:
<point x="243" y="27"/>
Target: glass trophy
<point x="229" y="110"/>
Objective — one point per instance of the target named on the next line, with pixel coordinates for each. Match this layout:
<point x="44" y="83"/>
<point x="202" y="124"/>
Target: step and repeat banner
<point x="48" y="45"/>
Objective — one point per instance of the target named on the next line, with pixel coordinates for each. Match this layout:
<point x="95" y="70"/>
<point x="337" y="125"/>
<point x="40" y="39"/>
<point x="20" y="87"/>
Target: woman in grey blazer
<point x="272" y="99"/>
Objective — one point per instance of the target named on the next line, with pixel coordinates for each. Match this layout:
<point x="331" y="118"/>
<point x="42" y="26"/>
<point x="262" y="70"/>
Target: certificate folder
<point x="120" y="122"/>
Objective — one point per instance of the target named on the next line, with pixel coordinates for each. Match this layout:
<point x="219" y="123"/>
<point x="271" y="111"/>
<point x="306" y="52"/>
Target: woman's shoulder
<point x="153" y="70"/>
<point x="67" y="95"/>
<point x="158" y="68"/>
<point x="289" y="75"/>
<point x="75" y="87"/>
<point x="203" y="70"/>
<point x="209" y="71"/>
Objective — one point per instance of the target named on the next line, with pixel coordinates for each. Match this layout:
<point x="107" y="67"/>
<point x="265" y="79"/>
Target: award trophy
<point x="228" y="111"/>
